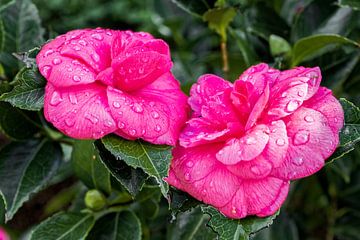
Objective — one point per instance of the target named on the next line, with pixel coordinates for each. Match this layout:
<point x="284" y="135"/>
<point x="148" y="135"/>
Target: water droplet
<point x="336" y="120"/>
<point x="56" y="61"/>
<point x="77" y="48"/>
<point x="145" y="59"/>
<point x="97" y="36"/>
<point x="116" y="104"/>
<point x="301" y="137"/>
<point x="255" y="169"/>
<point x="190" y="164"/>
<point x="239" y="152"/>
<point x="308" y="118"/>
<point x="292" y="105"/>
<point x="152" y="104"/>
<point x="132" y="132"/>
<point x="137" y="108"/>
<point x="157" y="128"/>
<point x="298" y="161"/>
<point x="46" y="71"/>
<point x="82" y="42"/>
<point x="73" y="99"/>
<point x="284" y="94"/>
<point x="76" y="78"/>
<point x="280" y="142"/>
<point x="250" y="140"/>
<point x="204" y="192"/>
<point x="55" y="98"/>
<point x="108" y="33"/>
<point x="221" y="152"/>
<point x="48" y="52"/>
<point x="187" y="176"/>
<point x="95" y="57"/>
<point x="130" y="70"/>
<point x="300" y="93"/>
<point x="70" y="122"/>
<point x="155" y="115"/>
<point x="233" y="210"/>
<point x="141" y="70"/>
<point x="143" y="132"/>
<point x="121" y="125"/>
<point x="70" y="69"/>
<point x="198" y="88"/>
<point x="108" y="123"/>
<point x="93" y="119"/>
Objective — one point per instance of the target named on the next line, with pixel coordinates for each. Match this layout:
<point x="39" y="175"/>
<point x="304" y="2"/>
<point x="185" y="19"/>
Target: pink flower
<point x="248" y="139"/>
<point x="102" y="81"/>
<point x="3" y="235"/>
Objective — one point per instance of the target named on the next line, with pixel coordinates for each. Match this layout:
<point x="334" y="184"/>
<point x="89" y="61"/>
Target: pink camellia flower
<point x="3" y="235"/>
<point x="248" y="139"/>
<point x="103" y="81"/>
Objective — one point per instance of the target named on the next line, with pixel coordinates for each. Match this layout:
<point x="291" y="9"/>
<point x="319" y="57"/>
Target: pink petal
<point x="311" y="141"/>
<point x="149" y="113"/>
<point x="245" y="148"/>
<point x="257" y="168"/>
<point x="236" y="207"/>
<point x="210" y="90"/>
<point x="324" y="102"/>
<point x="264" y="197"/>
<point x="139" y="69"/>
<point x="79" y="111"/>
<point x="258" y="108"/>
<point x="277" y="146"/>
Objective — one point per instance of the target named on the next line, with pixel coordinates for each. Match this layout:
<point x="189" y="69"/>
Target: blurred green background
<point x="282" y="33"/>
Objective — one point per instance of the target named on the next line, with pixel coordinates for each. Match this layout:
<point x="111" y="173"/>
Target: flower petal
<point x="79" y="111"/>
<point x="257" y="168"/>
<point x="311" y="141"/>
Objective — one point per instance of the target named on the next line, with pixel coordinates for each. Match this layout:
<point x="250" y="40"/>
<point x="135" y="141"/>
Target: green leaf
<point x="245" y="47"/>
<point x="227" y="228"/>
<point x="189" y="225"/>
<point x="132" y="179"/>
<point x="22" y="29"/>
<point x="88" y="167"/>
<point x="26" y="168"/>
<point x="354" y="4"/>
<point x="279" y="46"/>
<point x="219" y="19"/>
<point x="124" y="225"/>
<point x="64" y="226"/>
<point x="16" y="123"/>
<point x="152" y="159"/>
<point x="28" y="92"/>
<point x="2" y="210"/>
<point x="195" y="7"/>
<point x="309" y="46"/>
<point x="351" y="111"/>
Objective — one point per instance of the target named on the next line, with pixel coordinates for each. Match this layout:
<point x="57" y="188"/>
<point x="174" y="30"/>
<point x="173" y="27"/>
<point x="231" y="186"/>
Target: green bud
<point x="95" y="200"/>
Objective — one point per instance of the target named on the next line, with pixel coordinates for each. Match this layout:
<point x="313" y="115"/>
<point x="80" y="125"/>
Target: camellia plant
<point x="168" y="132"/>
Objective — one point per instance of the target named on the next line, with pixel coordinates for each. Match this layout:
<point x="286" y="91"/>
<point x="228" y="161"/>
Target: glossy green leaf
<point x="88" y="167"/>
<point x="279" y="46"/>
<point x="219" y="19"/>
<point x="22" y="29"/>
<point x="190" y="225"/>
<point x="354" y="4"/>
<point x="351" y="111"/>
<point x="2" y="210"/>
<point x="28" y="92"/>
<point x="26" y="168"/>
<point x="124" y="225"/>
<point x="15" y="123"/>
<point x="227" y="228"/>
<point x="64" y="226"/>
<point x="152" y="159"/>
<point x="309" y="46"/>
<point x="132" y="179"/>
<point x="195" y="7"/>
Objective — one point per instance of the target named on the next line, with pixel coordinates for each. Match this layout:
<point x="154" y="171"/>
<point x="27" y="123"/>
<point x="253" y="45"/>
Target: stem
<point x="225" y="59"/>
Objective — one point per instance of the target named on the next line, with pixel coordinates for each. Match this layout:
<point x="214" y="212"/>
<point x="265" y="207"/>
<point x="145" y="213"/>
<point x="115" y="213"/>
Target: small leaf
<point x="354" y="4"/>
<point x="351" y="112"/>
<point x="64" y="226"/>
<point x="15" y="123"/>
<point x="152" y="159"/>
<point x="88" y="167"/>
<point x="124" y="225"/>
<point x="2" y="210"/>
<point x="309" y="46"/>
<point x="195" y="7"/>
<point x="279" y="46"/>
<point x="132" y="179"/>
<point x="26" y="168"/>
<point x="28" y="92"/>
<point x="190" y="225"/>
<point x="227" y="228"/>
<point x="219" y="19"/>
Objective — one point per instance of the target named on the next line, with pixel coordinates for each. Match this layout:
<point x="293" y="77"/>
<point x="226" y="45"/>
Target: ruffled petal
<point x="79" y="111"/>
<point x="311" y="141"/>
<point x="257" y="168"/>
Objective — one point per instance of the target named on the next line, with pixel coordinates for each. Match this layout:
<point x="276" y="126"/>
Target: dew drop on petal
<point x="108" y="123"/>
<point x="73" y="99"/>
<point x="157" y="128"/>
<point x="97" y="36"/>
<point x="308" y="118"/>
<point x="93" y="119"/>
<point x="301" y="137"/>
<point x="121" y="125"/>
<point x="298" y="161"/>
<point x="190" y="164"/>
<point x="137" y="108"/>
<point x="55" y="98"/>
<point x="141" y="70"/>
<point x="250" y="140"/>
<point x="116" y="104"/>
<point x="70" y="122"/>
<point x="76" y="78"/>
<point x="155" y="115"/>
<point x="300" y="93"/>
<point x="292" y="105"/>
<point x="48" y="52"/>
<point x="284" y="94"/>
<point x="56" y="61"/>
<point x="187" y="176"/>
<point x="46" y="71"/>
<point x="132" y="132"/>
<point x="280" y="142"/>
<point x="95" y="57"/>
